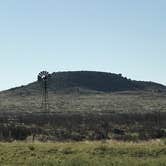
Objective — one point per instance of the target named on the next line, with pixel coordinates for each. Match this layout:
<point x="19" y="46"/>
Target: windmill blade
<point x="43" y="75"/>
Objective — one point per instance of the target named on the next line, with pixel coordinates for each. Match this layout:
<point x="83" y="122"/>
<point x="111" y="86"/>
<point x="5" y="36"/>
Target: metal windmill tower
<point x="43" y="80"/>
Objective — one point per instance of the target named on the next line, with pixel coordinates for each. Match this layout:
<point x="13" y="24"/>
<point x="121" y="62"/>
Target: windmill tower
<point x="43" y="80"/>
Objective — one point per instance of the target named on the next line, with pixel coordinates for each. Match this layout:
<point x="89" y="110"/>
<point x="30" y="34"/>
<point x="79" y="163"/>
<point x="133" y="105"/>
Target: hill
<point x="85" y="91"/>
<point x="84" y="105"/>
<point x="89" y="81"/>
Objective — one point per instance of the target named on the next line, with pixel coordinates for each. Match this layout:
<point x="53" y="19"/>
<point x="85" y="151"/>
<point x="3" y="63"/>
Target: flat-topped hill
<point x="87" y="91"/>
<point x="89" y="81"/>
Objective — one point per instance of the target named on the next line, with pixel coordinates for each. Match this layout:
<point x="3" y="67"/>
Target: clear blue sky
<point x="119" y="36"/>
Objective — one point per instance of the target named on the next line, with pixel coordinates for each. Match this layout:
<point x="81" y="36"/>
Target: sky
<point x="117" y="36"/>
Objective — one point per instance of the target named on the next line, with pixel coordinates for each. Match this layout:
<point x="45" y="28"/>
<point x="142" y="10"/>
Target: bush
<point x="31" y="147"/>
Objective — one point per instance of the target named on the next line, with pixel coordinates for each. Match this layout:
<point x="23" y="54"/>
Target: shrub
<point x="31" y="147"/>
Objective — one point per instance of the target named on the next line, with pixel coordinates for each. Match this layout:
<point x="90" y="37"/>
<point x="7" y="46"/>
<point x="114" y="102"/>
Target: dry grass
<point x="152" y="153"/>
<point x="106" y="102"/>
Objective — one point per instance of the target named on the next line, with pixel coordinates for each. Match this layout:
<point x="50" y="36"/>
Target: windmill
<point x="43" y="80"/>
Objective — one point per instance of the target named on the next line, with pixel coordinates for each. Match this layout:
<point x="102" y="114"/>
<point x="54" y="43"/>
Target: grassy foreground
<point x="109" y="153"/>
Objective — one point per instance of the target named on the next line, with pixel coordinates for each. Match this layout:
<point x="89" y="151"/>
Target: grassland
<point x="135" y="102"/>
<point x="83" y="116"/>
<point x="108" y="153"/>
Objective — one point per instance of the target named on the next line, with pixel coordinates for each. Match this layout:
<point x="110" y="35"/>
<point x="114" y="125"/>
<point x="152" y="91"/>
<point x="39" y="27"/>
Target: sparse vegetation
<point x="122" y="116"/>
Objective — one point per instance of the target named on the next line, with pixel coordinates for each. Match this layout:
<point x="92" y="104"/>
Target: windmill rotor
<point x="44" y="75"/>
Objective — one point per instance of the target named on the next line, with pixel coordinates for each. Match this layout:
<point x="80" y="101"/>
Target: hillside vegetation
<point x="90" y="81"/>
